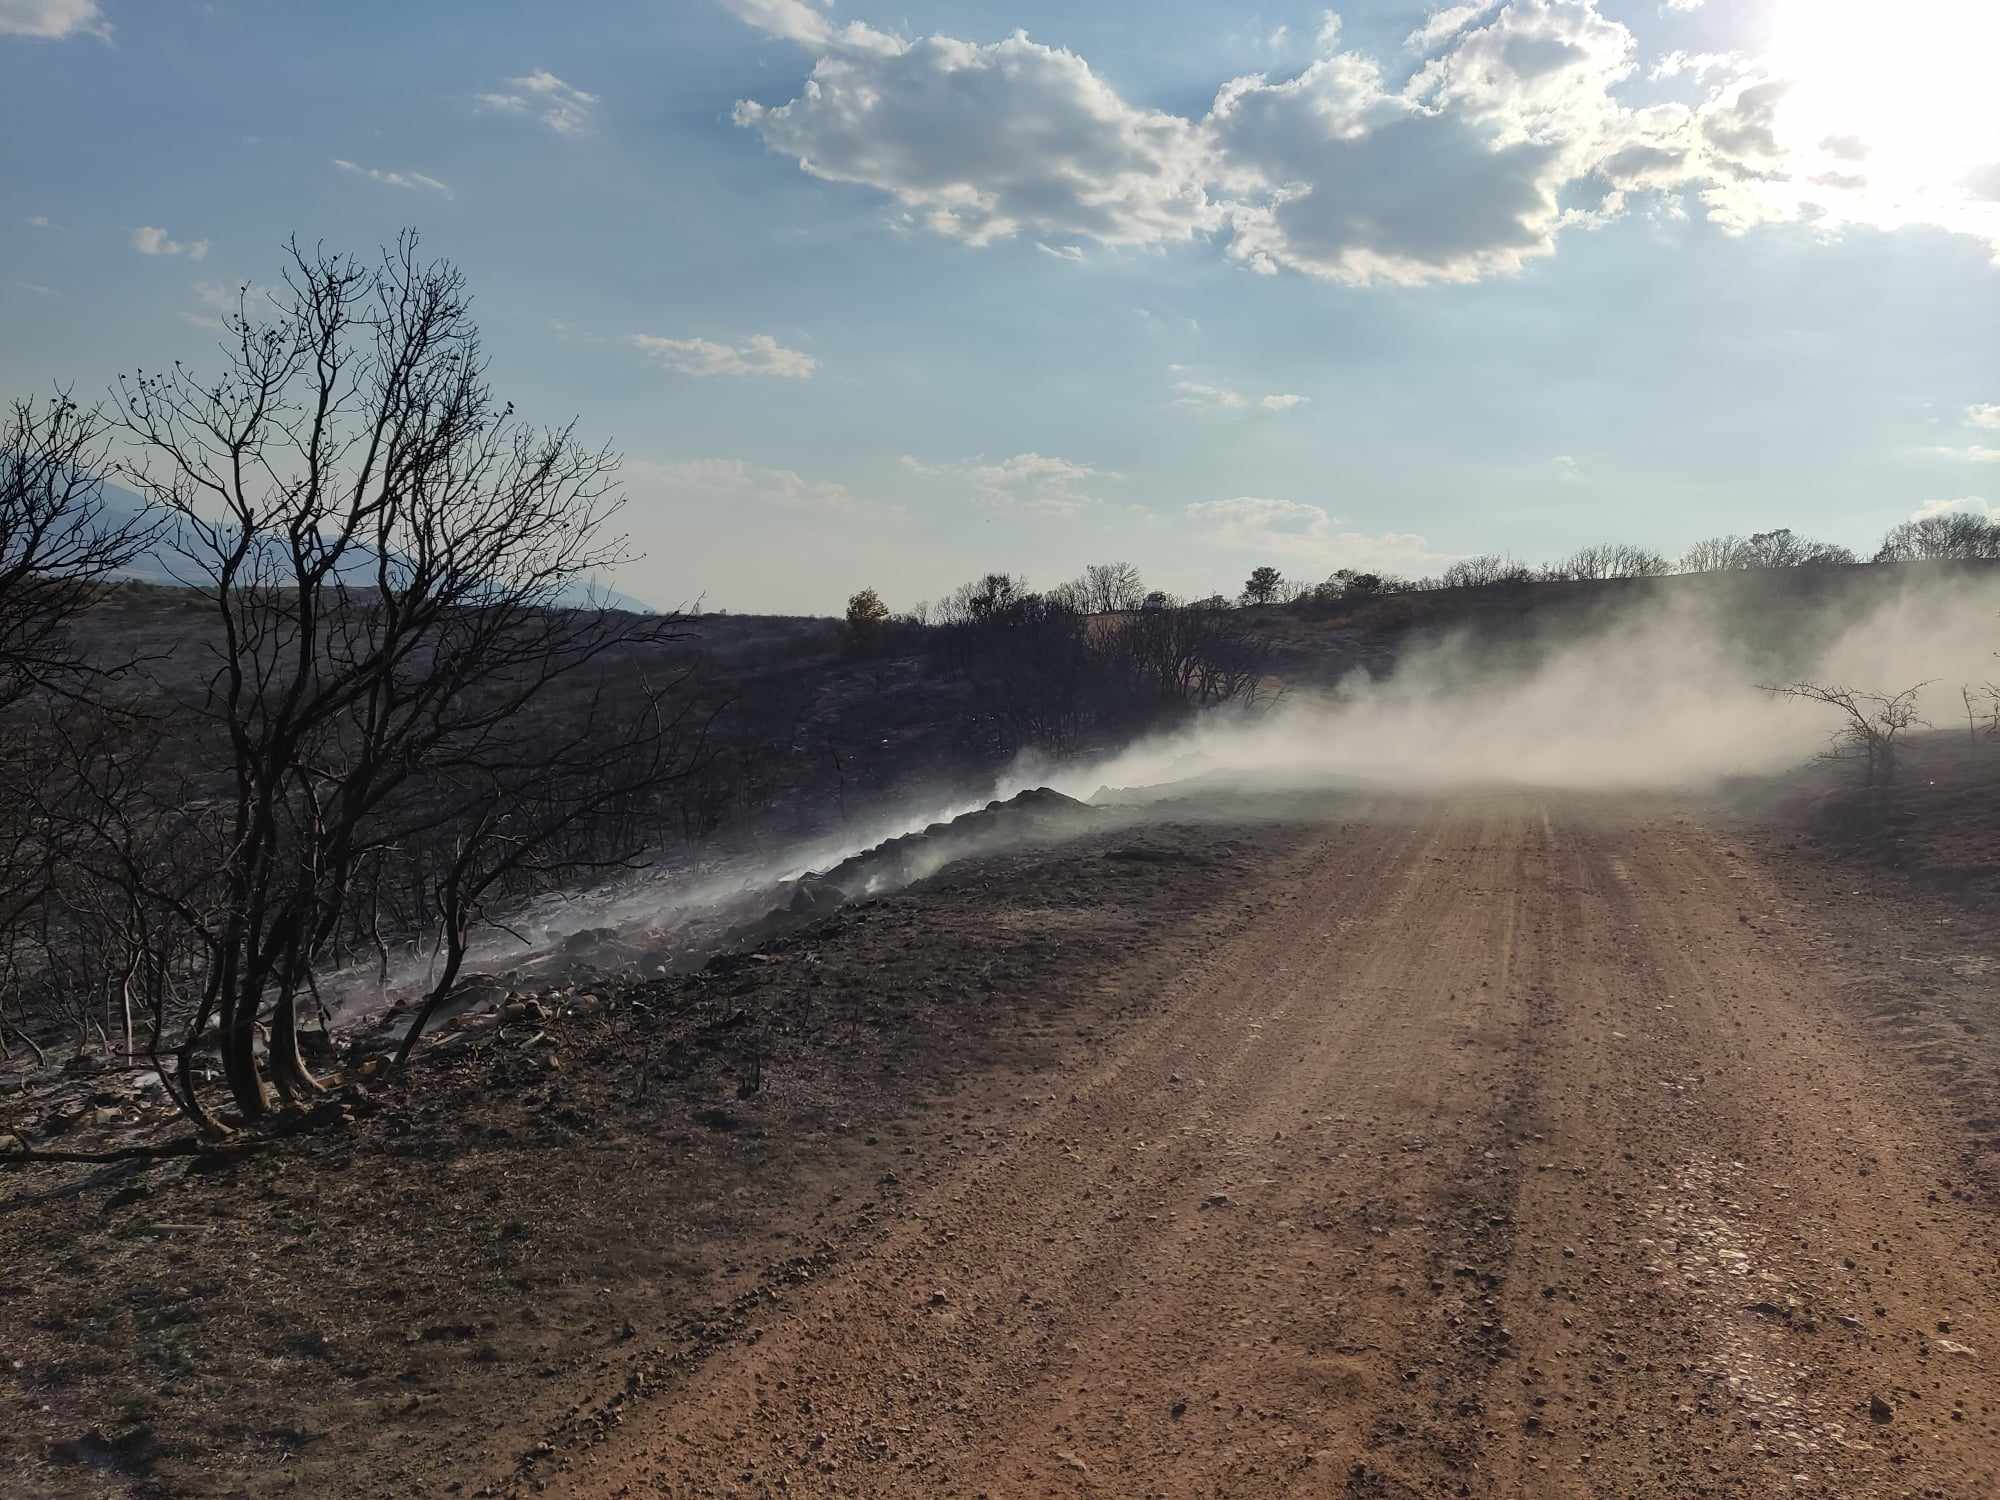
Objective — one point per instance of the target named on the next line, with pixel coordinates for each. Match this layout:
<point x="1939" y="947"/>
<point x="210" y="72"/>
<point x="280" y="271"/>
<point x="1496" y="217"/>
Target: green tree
<point x="866" y="613"/>
<point x="1262" y="586"/>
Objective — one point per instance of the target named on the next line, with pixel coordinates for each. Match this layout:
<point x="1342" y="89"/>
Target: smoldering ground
<point x="1671" y="690"/>
<point x="1660" y="684"/>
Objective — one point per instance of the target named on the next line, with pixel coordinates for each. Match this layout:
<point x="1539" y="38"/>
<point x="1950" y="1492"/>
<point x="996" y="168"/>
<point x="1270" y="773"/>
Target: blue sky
<point x="1195" y="286"/>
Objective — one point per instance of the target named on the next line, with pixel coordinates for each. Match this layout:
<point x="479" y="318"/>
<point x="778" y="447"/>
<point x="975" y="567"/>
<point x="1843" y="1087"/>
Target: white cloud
<point x="39" y="221"/>
<point x="733" y="483"/>
<point x="759" y="355"/>
<point x="1442" y="25"/>
<point x="1566" y="468"/>
<point x="983" y="142"/>
<point x="802" y="22"/>
<point x="1032" y="481"/>
<point x="1976" y="453"/>
<point x="218" y="303"/>
<point x="1303" y="538"/>
<point x="414" y="181"/>
<point x="565" y="109"/>
<point x="1256" y="519"/>
<point x="1983" y="414"/>
<point x="1280" y="35"/>
<point x="1696" y="65"/>
<point x="1969" y="503"/>
<point x="1511" y="132"/>
<point x="152" y="241"/>
<point x="1194" y="393"/>
<point x="1682" y="5"/>
<point x="1338" y="176"/>
<point x="36" y="287"/>
<point x="1221" y="398"/>
<point x="1071" y="253"/>
<point x="53" y="20"/>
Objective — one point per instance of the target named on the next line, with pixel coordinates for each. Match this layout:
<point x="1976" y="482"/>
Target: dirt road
<point x="1513" y="1151"/>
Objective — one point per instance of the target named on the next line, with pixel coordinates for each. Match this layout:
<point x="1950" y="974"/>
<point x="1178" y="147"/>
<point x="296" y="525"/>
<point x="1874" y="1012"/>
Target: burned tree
<point x="1871" y="726"/>
<point x="59" y="542"/>
<point x="410" y="664"/>
<point x="1107" y="588"/>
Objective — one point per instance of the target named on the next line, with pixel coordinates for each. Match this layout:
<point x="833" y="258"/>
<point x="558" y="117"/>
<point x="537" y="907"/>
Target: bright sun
<point x="1912" y="80"/>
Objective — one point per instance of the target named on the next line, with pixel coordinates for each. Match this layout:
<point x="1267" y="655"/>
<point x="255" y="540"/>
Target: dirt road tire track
<point x="1511" y="1152"/>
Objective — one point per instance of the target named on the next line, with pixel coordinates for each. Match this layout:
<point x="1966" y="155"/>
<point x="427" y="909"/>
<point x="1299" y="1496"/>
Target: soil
<point x="1496" y="1144"/>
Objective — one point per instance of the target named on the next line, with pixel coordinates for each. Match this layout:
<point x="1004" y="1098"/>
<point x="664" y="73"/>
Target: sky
<point x="890" y="295"/>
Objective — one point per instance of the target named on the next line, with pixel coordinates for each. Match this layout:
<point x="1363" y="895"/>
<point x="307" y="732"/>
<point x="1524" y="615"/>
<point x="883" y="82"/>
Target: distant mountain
<point x="160" y="564"/>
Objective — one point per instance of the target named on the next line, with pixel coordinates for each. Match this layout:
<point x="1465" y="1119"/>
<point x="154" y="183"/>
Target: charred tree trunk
<point x="288" y="1066"/>
<point x="454" y="957"/>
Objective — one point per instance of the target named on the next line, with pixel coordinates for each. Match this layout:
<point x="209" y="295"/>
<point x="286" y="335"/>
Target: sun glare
<point x="1904" y="92"/>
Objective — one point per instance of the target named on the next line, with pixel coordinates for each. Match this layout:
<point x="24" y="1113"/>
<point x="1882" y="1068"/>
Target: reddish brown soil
<point x="1513" y="1150"/>
<point x="1492" y="1145"/>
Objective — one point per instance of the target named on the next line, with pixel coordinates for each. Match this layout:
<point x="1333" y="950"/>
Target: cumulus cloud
<point x="565" y="109"/>
<point x="1032" y="481"/>
<point x="1283" y="402"/>
<point x="1511" y="130"/>
<point x="1983" y="414"/>
<point x="1071" y="253"/>
<point x="53" y="20"/>
<point x="759" y="355"/>
<point x="149" y="240"/>
<point x="983" y="142"/>
<point x="1338" y="174"/>
<point x="413" y="181"/>
<point x="38" y="221"/>
<point x="1443" y="25"/>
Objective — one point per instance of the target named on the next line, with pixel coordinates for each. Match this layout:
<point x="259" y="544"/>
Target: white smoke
<point x="1669" y="695"/>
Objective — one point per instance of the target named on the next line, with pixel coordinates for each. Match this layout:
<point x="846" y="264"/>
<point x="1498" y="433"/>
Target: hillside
<point x="1268" y="1125"/>
<point x="1775" y="617"/>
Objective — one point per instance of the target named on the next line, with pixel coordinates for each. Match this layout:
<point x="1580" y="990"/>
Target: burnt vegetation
<point x="385" y="703"/>
<point x="401" y="713"/>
